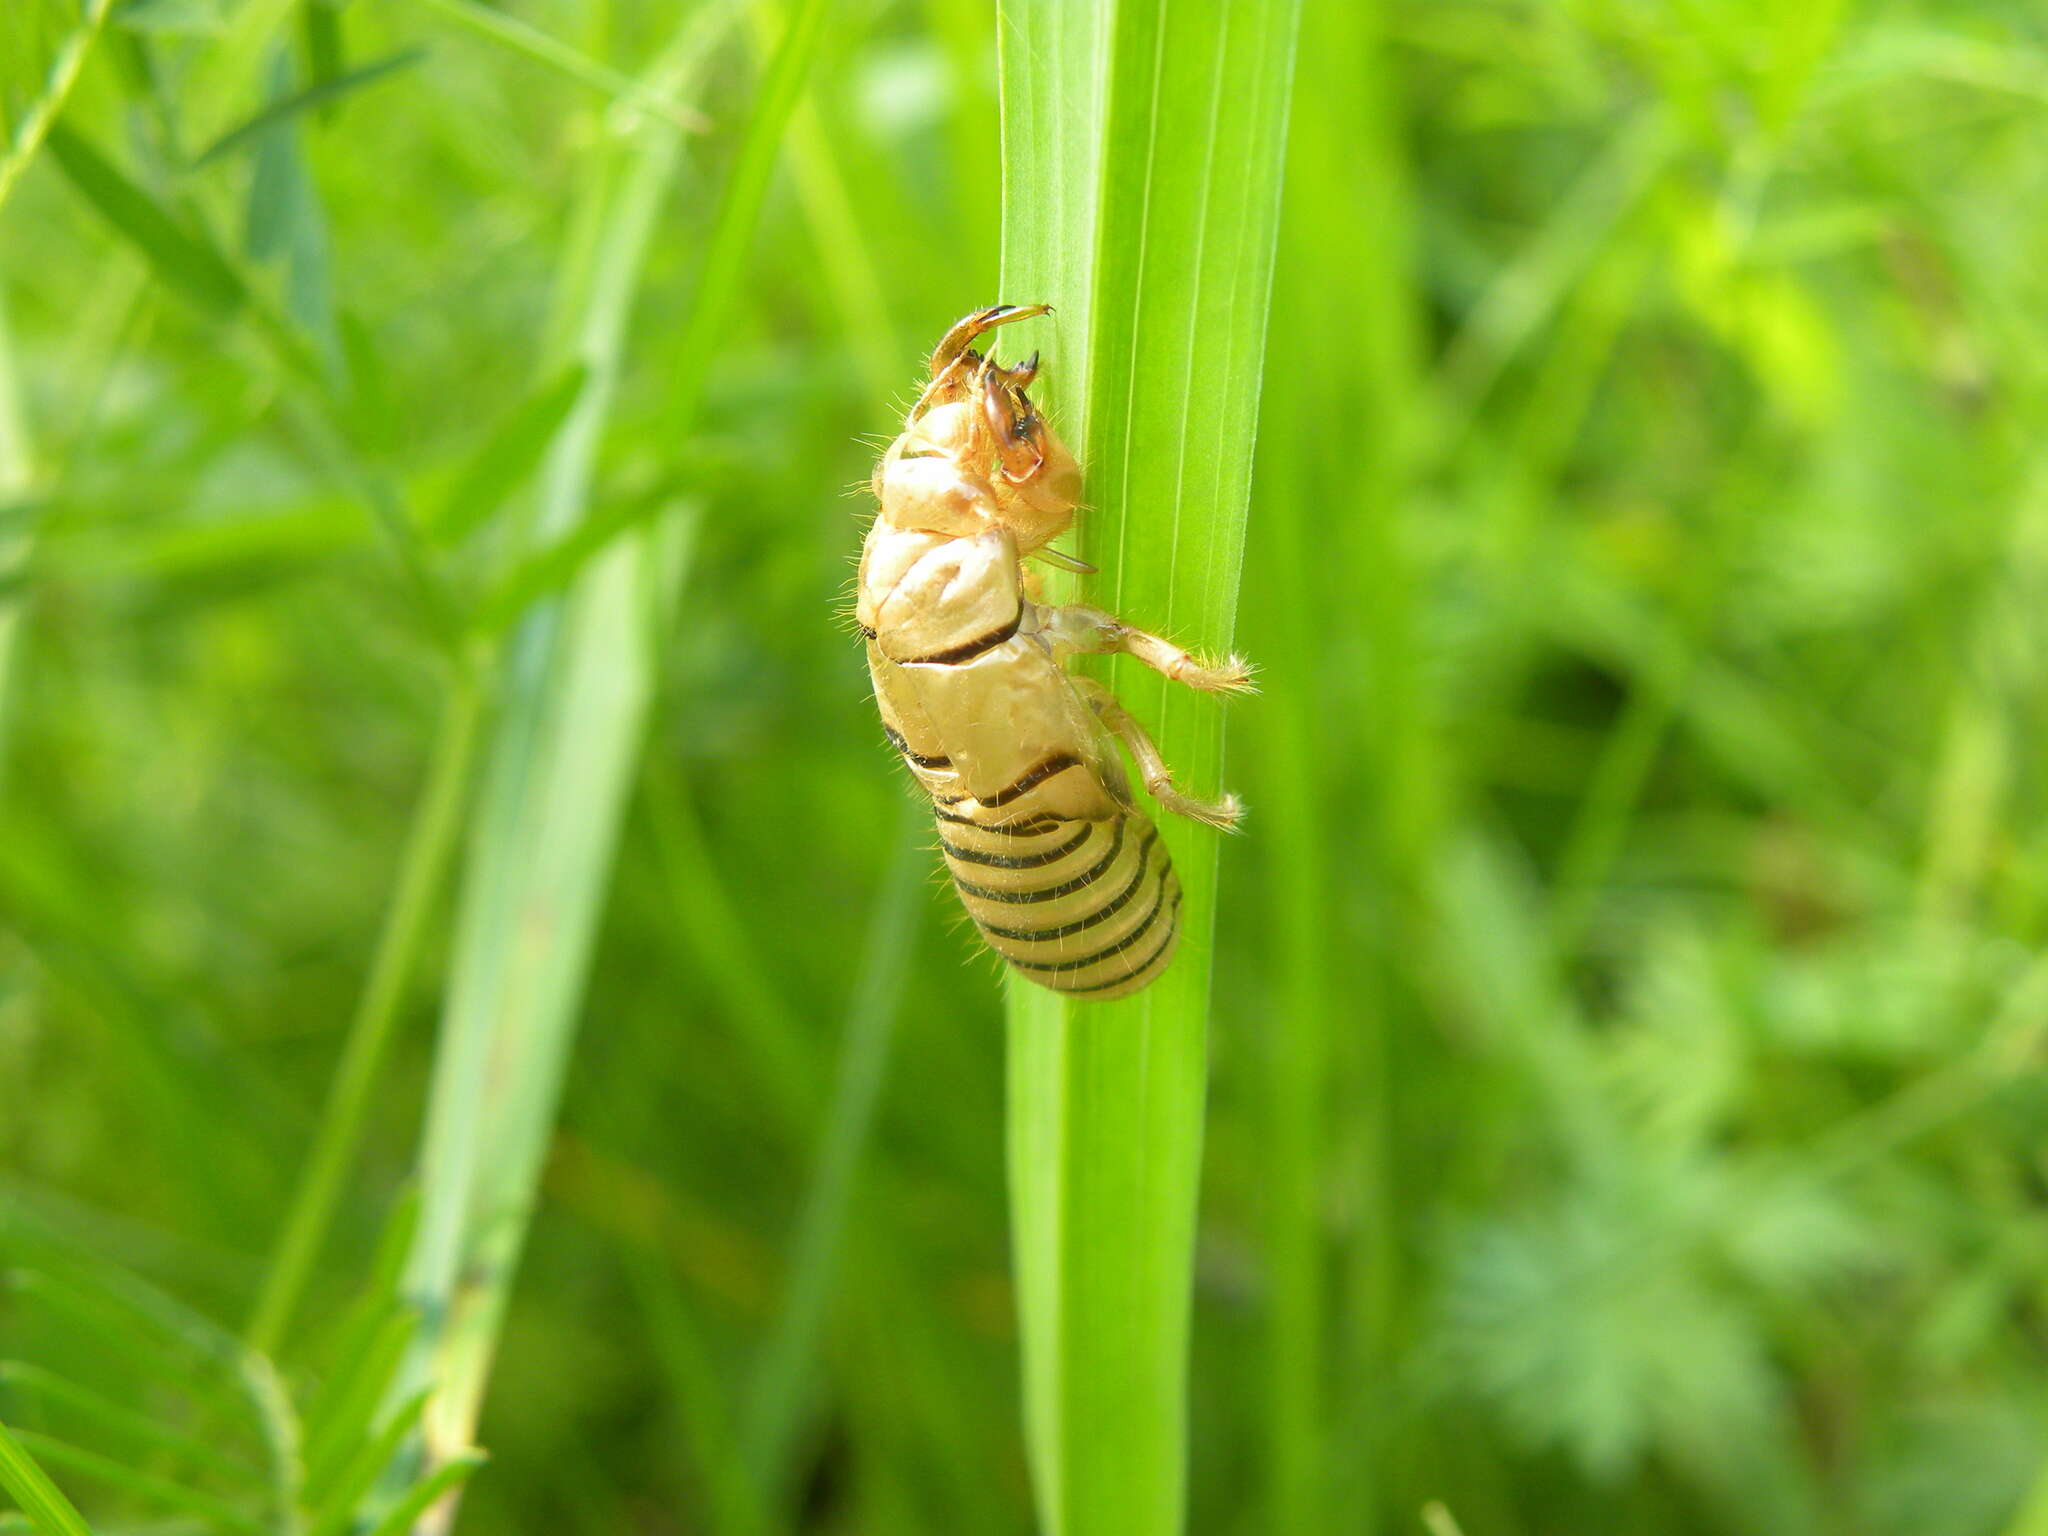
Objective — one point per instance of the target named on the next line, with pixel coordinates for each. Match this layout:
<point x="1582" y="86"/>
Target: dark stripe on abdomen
<point x="1016" y="860"/>
<point x="1101" y="914"/>
<point x="915" y="759"/>
<point x="1018" y="894"/>
<point x="953" y="656"/>
<point x="1059" y="762"/>
<point x="1098" y="933"/>
<point x="1037" y="821"/>
<point x="1141" y="973"/>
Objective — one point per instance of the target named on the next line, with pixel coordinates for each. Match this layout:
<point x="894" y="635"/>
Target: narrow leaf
<point x="48" y="1511"/>
<point x="1142" y="155"/>
<point x="118" y="1474"/>
<point x="24" y="130"/>
<point x="185" y="261"/>
<point x="319" y="93"/>
<point x="508" y="457"/>
<point x="113" y="1418"/>
<point x="337" y="1503"/>
<point x="320" y="28"/>
<point x="452" y="1474"/>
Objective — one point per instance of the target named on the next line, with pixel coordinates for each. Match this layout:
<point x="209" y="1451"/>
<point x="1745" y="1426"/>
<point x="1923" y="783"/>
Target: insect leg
<point x="1077" y="627"/>
<point x="954" y="344"/>
<point x="1222" y="814"/>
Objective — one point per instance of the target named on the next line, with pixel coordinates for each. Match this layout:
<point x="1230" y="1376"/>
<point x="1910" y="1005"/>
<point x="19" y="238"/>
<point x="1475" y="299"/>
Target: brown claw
<point x="955" y="343"/>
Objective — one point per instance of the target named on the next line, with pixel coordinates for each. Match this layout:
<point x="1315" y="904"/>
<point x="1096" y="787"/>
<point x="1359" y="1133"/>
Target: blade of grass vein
<point x="430" y="847"/>
<point x="1120" y="122"/>
<point x="561" y="759"/>
<point x="48" y="1511"/>
<point x="1051" y="59"/>
<point x="775" y="1401"/>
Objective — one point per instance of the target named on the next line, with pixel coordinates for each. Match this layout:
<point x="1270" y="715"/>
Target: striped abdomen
<point x="1090" y="908"/>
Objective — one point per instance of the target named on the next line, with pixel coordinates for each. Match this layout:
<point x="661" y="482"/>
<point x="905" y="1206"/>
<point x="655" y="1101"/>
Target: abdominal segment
<point x="1089" y="908"/>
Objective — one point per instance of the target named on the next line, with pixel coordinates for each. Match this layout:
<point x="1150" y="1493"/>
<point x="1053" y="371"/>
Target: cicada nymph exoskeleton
<point x="1061" y="872"/>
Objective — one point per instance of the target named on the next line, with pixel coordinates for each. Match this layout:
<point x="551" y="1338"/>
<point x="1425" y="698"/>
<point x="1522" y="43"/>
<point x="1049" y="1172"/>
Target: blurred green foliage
<point x="1633" y="959"/>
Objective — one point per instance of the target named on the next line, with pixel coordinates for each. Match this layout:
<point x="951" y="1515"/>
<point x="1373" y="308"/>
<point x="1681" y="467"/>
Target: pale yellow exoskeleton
<point x="1066" y="879"/>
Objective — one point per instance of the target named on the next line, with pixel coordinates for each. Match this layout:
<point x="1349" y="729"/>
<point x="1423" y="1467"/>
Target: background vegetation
<point x="1628" y="1005"/>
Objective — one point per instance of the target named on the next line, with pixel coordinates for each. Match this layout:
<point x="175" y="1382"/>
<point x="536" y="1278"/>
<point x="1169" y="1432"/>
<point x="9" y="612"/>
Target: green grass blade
<point x="49" y="1512"/>
<point x="507" y="458"/>
<point x="429" y="1491"/>
<point x="429" y="850"/>
<point x="115" y="1419"/>
<point x="185" y="261"/>
<point x="543" y="824"/>
<point x="321" y="40"/>
<point x="336" y="1503"/>
<point x="1142" y="155"/>
<point x="319" y="94"/>
<point x="154" y="1490"/>
<point x="27" y="128"/>
<point x="556" y="783"/>
<point x="17" y="481"/>
<point x="349" y="1403"/>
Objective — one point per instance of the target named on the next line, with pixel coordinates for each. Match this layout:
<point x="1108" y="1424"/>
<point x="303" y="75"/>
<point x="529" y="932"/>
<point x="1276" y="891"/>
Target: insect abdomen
<point x="1090" y="908"/>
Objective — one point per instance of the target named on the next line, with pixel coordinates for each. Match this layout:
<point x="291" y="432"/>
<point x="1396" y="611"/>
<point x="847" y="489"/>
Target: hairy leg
<point x="1078" y="628"/>
<point x="1223" y="813"/>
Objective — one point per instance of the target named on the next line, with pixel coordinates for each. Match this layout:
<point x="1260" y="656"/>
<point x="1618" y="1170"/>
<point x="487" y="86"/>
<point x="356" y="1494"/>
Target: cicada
<point x="1060" y="871"/>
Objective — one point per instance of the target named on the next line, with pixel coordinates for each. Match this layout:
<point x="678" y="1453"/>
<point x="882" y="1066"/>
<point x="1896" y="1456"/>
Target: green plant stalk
<point x="559" y="770"/>
<point x="429" y="849"/>
<point x="17" y="473"/>
<point x="1142" y="147"/>
<point x="48" y="1511"/>
<point x="429" y="1492"/>
<point x="65" y="67"/>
